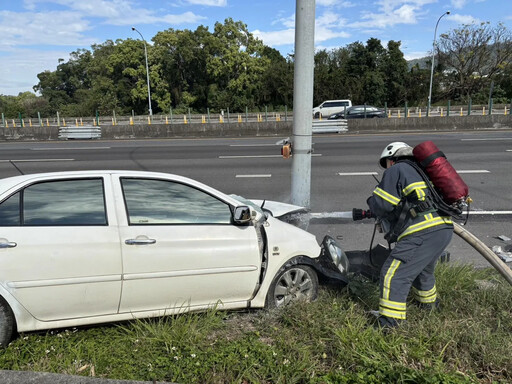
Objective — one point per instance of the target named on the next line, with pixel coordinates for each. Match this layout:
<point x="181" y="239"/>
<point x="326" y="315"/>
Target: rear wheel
<point x="6" y="323"/>
<point x="292" y="284"/>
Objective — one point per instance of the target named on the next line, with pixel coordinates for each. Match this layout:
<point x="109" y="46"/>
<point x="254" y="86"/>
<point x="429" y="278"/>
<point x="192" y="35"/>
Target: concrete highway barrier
<point x="268" y="128"/>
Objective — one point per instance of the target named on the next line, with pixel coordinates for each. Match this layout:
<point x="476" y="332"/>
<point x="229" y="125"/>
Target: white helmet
<point x="393" y="150"/>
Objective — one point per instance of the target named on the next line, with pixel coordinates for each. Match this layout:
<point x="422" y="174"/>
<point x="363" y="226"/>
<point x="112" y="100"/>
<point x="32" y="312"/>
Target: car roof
<point x="9" y="183"/>
<point x="14" y="180"/>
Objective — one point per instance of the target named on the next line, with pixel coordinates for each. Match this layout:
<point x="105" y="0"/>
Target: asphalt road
<point x="342" y="167"/>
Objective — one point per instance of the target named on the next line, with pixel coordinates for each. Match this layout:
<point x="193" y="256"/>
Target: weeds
<point x="329" y="341"/>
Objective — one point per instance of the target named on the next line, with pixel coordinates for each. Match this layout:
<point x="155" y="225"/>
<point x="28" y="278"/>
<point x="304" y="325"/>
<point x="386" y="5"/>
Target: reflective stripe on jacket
<point x="399" y="181"/>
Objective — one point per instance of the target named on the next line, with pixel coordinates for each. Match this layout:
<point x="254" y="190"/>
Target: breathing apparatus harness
<point x="410" y="207"/>
<point x="454" y="210"/>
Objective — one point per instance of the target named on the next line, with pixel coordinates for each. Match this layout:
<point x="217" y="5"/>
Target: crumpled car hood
<point x="278" y="209"/>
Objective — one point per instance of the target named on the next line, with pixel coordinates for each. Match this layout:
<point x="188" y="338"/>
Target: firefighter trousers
<point x="411" y="264"/>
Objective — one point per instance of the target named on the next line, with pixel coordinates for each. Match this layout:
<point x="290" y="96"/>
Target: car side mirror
<point x="242" y="215"/>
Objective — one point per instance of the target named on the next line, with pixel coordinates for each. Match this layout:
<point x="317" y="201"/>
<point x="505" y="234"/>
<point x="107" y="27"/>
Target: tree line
<point x="230" y="68"/>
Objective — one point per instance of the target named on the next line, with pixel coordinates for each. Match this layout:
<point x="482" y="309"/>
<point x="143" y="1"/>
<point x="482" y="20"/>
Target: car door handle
<point x="140" y="241"/>
<point x="9" y="244"/>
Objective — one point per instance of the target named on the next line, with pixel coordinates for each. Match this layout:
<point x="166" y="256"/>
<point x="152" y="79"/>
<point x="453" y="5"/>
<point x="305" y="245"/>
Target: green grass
<point x="329" y="341"/>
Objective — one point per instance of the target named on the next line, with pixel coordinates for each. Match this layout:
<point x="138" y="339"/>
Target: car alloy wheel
<point x="293" y="284"/>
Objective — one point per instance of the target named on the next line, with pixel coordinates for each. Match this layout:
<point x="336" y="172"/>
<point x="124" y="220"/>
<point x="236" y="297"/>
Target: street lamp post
<point x="147" y="69"/>
<point x="432" y="69"/>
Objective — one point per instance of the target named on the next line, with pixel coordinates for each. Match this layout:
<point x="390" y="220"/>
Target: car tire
<point x="7" y="323"/>
<point x="292" y="283"/>
<point x="317" y="115"/>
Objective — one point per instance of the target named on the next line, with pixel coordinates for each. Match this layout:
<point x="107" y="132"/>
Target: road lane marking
<point x="357" y="173"/>
<point x="253" y="176"/>
<point x="375" y="173"/>
<point x="253" y="145"/>
<point x="509" y="150"/>
<point x="247" y="157"/>
<point x="474" y="171"/>
<point x="65" y="149"/>
<point x="259" y="156"/>
<point x="490" y="212"/>
<point x="33" y="160"/>
<point x="490" y="139"/>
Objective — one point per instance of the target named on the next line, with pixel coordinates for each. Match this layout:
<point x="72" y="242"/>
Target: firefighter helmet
<point x="394" y="150"/>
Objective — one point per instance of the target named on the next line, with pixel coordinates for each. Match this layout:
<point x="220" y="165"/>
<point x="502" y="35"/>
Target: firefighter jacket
<point x="403" y="203"/>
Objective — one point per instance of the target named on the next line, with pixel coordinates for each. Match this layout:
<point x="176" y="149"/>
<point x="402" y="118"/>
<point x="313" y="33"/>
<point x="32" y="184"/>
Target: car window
<point x="150" y="201"/>
<point x="10" y="214"/>
<point x="64" y="202"/>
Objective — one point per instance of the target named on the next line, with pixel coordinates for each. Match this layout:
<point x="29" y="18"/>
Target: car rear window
<point x="56" y="203"/>
<point x="330" y="104"/>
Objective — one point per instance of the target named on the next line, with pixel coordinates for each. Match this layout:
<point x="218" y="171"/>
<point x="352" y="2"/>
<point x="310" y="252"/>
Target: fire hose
<point x="468" y="237"/>
<point x="484" y="250"/>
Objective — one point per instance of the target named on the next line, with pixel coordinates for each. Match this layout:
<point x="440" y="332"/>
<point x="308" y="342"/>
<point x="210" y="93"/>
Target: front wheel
<point x="292" y="284"/>
<point x="7" y="323"/>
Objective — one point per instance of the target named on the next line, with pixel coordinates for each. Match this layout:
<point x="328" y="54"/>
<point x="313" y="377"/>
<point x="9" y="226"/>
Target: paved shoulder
<point x="28" y="377"/>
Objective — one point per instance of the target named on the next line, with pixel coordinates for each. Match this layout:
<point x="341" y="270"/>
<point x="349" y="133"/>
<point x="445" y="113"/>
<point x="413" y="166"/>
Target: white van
<point x="329" y="107"/>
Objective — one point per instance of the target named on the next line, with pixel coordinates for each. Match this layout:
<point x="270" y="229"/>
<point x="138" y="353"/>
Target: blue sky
<point x="34" y="34"/>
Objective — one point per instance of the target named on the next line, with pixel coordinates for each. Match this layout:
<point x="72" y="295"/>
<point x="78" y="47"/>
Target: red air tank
<point x="444" y="177"/>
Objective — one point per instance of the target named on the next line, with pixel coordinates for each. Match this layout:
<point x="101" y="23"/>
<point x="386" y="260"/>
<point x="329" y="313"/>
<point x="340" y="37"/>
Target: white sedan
<point x="99" y="246"/>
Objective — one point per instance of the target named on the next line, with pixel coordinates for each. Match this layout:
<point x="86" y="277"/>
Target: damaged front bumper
<point x="336" y="264"/>
<point x="368" y="263"/>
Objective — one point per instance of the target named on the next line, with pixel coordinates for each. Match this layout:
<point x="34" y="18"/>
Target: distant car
<point x="330" y="106"/>
<point x="359" y="112"/>
<point x="91" y="247"/>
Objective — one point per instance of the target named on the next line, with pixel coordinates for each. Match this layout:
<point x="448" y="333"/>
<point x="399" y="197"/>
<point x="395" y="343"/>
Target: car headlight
<point x="338" y="257"/>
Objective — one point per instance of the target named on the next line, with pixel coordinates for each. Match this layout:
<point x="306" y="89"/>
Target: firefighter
<point x="403" y="206"/>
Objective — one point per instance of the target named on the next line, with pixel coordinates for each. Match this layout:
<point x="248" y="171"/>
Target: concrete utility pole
<point x="303" y="102"/>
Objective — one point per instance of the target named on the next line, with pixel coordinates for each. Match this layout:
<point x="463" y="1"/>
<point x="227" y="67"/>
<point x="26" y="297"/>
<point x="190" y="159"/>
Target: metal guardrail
<point x="237" y="118"/>
<point x="330" y="126"/>
<point x="86" y="132"/>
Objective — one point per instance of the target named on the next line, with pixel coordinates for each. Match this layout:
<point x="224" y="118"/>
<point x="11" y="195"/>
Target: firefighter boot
<point x="386" y="324"/>
<point x="435" y="306"/>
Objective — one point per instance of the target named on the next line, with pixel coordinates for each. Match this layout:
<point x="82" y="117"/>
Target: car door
<point x="59" y="248"/>
<point x="356" y="113"/>
<point x="181" y="250"/>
